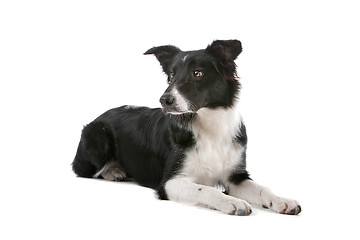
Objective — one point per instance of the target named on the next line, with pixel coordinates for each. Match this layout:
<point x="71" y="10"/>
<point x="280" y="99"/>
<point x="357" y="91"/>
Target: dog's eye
<point x="170" y="78"/>
<point x="198" y="74"/>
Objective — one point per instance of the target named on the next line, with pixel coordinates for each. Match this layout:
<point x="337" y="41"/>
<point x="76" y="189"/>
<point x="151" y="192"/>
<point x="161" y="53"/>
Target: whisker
<point x="192" y="106"/>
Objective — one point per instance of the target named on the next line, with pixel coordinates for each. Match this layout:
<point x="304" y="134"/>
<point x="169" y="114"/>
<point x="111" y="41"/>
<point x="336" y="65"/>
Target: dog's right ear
<point x="165" y="55"/>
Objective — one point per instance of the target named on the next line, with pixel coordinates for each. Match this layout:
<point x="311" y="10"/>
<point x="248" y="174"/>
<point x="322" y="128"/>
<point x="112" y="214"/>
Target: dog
<point x="196" y="141"/>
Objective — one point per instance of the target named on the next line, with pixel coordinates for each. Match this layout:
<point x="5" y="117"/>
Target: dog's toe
<point x="295" y="211"/>
<point x="119" y="178"/>
<point x="286" y="206"/>
<point x="236" y="207"/>
<point x="243" y="212"/>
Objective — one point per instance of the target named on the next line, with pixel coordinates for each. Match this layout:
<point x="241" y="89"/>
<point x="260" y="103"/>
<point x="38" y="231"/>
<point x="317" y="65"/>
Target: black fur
<point x="150" y="145"/>
<point x="240" y="173"/>
<point x="96" y="147"/>
<point x="241" y="137"/>
<point x="140" y="140"/>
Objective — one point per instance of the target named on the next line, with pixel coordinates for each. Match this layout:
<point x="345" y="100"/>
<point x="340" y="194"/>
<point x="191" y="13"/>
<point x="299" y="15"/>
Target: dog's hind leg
<point x="95" y="151"/>
<point x="112" y="172"/>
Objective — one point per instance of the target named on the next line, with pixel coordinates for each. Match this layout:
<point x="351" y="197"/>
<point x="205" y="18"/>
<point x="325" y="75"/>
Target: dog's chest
<point x="215" y="154"/>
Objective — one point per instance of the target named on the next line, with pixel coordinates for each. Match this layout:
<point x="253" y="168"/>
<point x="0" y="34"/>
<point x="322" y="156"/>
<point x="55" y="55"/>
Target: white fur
<point x="184" y="58"/>
<point x="262" y="196"/>
<point x="183" y="189"/>
<point x="111" y="172"/>
<point x="213" y="159"/>
<point x="181" y="103"/>
<point x="104" y="169"/>
<point x="130" y="107"/>
<point x="215" y="154"/>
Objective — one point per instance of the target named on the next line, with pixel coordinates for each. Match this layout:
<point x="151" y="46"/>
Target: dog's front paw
<point x="235" y="207"/>
<point x="284" y="206"/>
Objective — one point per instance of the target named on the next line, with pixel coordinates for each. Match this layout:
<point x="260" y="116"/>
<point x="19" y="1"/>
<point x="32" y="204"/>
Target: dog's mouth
<point x="181" y="117"/>
<point x="176" y="112"/>
<point x="179" y="108"/>
<point x="176" y="104"/>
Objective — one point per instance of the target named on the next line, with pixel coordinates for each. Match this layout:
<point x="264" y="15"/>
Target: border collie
<point x="195" y="142"/>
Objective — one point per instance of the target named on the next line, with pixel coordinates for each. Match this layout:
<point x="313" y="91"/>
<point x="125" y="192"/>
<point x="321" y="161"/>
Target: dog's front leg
<point x="262" y="196"/>
<point x="183" y="189"/>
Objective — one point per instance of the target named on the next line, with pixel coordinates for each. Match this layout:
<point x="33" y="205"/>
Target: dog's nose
<point x="167" y="100"/>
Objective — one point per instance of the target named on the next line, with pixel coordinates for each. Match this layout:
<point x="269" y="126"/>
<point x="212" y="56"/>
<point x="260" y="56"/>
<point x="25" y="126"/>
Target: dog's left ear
<point x="165" y="55"/>
<point x="225" y="50"/>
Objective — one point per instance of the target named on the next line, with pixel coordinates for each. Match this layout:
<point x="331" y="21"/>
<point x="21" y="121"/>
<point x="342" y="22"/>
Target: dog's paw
<point x="235" y="207"/>
<point x="284" y="206"/>
<point x="113" y="174"/>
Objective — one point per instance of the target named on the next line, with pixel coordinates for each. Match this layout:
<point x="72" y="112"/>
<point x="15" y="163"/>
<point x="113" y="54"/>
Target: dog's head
<point x="199" y="79"/>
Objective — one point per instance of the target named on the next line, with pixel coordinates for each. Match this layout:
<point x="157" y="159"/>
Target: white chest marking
<point x="215" y="154"/>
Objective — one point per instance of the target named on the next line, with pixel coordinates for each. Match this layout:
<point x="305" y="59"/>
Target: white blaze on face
<point x="181" y="104"/>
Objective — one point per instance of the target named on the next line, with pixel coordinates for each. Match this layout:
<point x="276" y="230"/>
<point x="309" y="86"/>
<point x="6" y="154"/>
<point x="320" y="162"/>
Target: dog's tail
<point x="96" y="148"/>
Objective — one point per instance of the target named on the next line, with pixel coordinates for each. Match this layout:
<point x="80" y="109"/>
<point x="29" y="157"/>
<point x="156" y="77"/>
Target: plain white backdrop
<point x="63" y="63"/>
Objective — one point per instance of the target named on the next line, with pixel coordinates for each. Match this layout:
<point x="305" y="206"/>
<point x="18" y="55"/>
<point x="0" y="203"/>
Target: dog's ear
<point x="225" y="51"/>
<point x="165" y="55"/>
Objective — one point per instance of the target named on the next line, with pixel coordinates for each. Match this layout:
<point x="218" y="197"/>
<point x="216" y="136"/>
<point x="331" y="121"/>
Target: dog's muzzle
<point x="175" y="103"/>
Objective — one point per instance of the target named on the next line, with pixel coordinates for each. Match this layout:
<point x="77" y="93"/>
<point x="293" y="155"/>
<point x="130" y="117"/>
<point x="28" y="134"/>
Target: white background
<point x="63" y="63"/>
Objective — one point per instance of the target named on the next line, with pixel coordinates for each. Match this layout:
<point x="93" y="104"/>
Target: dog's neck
<point x="213" y="121"/>
<point x="218" y="121"/>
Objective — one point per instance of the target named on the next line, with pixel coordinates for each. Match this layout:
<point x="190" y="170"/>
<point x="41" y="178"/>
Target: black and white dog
<point x="195" y="142"/>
